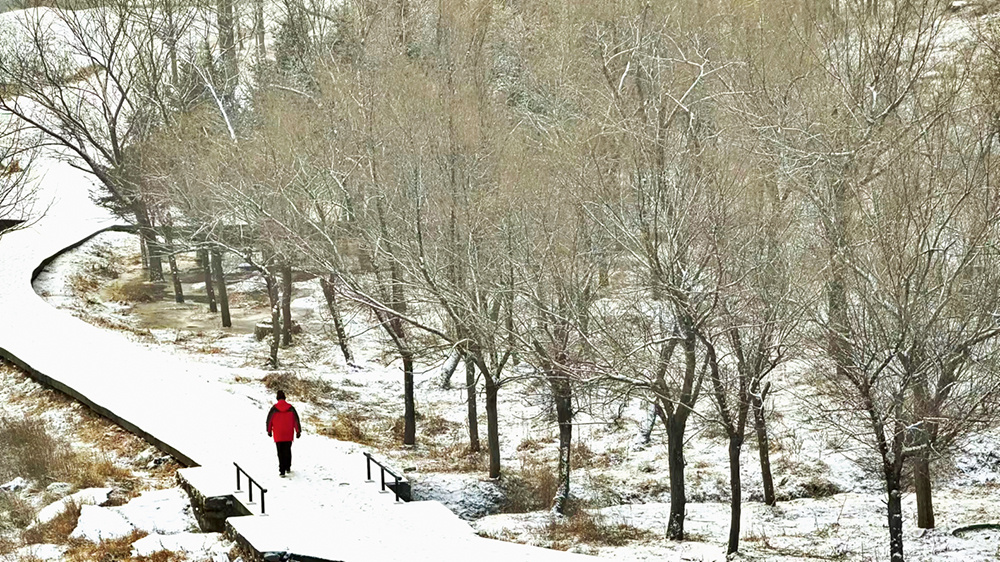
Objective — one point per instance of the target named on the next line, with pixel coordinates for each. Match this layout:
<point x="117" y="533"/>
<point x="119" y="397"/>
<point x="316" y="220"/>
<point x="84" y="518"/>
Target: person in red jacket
<point x="283" y="425"/>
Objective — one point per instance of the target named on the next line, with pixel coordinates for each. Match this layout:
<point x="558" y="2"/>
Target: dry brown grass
<point x="135" y="291"/>
<point x="434" y="425"/>
<point x="15" y="512"/>
<point x="454" y="457"/>
<point x="84" y="286"/>
<point x="252" y="299"/>
<point x="347" y="426"/>
<point x="529" y="489"/>
<point x="530" y="445"/>
<point x="162" y="556"/>
<point x="57" y="530"/>
<point x="31" y="452"/>
<point x="28" y="449"/>
<point x="299" y="388"/>
<point x="92" y="470"/>
<point x="583" y="526"/>
<point x="116" y="550"/>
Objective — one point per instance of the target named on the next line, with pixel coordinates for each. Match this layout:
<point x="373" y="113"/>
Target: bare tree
<point x="900" y="228"/>
<point x="79" y="81"/>
<point x="653" y="80"/>
<point x="18" y="204"/>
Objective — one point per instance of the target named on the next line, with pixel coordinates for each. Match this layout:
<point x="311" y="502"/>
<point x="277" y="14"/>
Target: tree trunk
<point x="895" y="512"/>
<point x="675" y="464"/>
<point x="144" y="254"/>
<point x="273" y="298"/>
<point x="286" y="305"/>
<point x="258" y="24"/>
<point x="922" y="482"/>
<point x="764" y="449"/>
<point x="736" y="492"/>
<point x="449" y="367"/>
<point x="409" y="410"/>
<point x="227" y="48"/>
<point x="220" y="282"/>
<point x="154" y="253"/>
<point x="470" y="389"/>
<point x="398" y="300"/>
<point x="492" y="424"/>
<point x="563" y="394"/>
<point x="174" y="273"/>
<point x="330" y="292"/>
<point x="207" y="268"/>
<point x="646" y="429"/>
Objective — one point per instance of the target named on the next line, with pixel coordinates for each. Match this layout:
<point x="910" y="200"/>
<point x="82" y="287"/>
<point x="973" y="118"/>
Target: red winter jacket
<point x="283" y="422"/>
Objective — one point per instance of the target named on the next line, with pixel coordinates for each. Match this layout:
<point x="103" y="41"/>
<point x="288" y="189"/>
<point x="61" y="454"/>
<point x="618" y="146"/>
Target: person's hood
<point x="282" y="406"/>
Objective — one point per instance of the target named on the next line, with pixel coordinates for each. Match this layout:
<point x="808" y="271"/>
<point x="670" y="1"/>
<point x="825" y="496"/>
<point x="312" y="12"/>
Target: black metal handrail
<point x="396" y="477"/>
<point x="253" y="483"/>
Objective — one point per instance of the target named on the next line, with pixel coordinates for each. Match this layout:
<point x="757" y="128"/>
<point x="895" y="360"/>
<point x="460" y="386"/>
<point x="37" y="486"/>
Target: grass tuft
<point x="15" y="512"/>
<point x="299" y="388"/>
<point x="107" y="550"/>
<point x="57" y="530"/>
<point x="135" y="291"/>
<point x="28" y="449"/>
<point x="592" y="528"/>
<point x="529" y="489"/>
<point x="347" y="426"/>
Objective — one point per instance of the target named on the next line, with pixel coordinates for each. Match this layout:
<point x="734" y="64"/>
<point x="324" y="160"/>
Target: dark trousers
<point x="284" y="455"/>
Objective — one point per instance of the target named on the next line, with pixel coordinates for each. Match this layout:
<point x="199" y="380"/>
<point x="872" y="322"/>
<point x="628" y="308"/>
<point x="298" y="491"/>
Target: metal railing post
<point x="397" y="479"/>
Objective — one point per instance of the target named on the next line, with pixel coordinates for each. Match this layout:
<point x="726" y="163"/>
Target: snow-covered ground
<point x="140" y="503"/>
<point x="622" y="483"/>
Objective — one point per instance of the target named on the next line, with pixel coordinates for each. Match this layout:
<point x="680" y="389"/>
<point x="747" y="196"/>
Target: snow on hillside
<point x="140" y="505"/>
<point x="830" y="507"/>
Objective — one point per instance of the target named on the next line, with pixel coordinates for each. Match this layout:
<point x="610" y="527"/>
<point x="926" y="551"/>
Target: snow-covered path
<point x="326" y="509"/>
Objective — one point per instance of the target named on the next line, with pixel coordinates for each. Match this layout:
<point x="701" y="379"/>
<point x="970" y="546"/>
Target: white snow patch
<point x="44" y="552"/>
<point x="89" y="496"/>
<point x="201" y="545"/>
<point x="101" y="523"/>
<point x="159" y="511"/>
<point x="15" y="485"/>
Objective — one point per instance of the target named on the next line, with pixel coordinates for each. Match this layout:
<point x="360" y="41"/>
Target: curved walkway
<point x="325" y="510"/>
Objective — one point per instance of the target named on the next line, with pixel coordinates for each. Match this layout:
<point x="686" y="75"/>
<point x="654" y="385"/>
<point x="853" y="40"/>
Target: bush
<point x="296" y="387"/>
<point x="28" y="450"/>
<point x="530" y="489"/>
<point x="435" y="424"/>
<point x="15" y="513"/>
<point x="347" y="427"/>
<point x="136" y="291"/>
<point x="57" y="530"/>
<point x="83" y="285"/>
<point x="116" y="549"/>
<point x="582" y="526"/>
